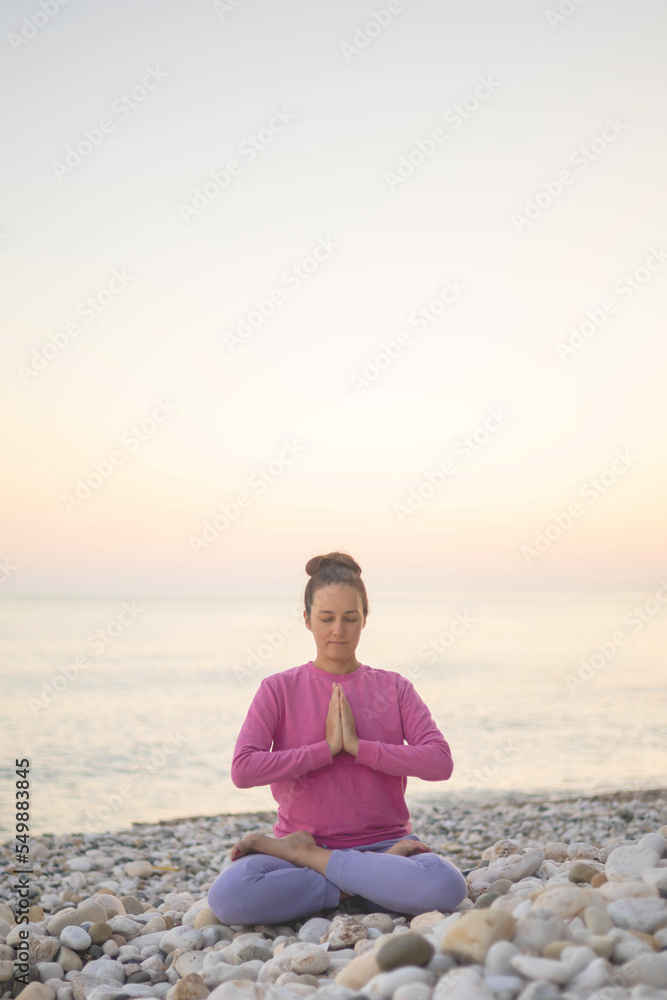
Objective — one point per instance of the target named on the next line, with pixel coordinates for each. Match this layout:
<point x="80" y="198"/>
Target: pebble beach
<point x="567" y="897"/>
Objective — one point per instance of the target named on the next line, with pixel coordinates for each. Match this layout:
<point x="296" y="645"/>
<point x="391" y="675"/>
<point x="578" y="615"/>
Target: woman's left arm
<point x="426" y="755"/>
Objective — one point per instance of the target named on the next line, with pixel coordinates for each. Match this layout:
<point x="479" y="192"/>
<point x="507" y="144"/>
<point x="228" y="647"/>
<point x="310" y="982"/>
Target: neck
<point x="336" y="666"/>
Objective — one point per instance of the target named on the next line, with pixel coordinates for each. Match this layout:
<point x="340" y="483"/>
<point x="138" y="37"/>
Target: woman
<point x="329" y="737"/>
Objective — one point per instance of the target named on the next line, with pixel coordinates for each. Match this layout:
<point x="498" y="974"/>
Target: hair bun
<point x="318" y="563"/>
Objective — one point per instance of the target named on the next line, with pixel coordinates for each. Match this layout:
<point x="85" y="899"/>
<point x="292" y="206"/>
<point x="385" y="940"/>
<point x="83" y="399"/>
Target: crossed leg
<point x="264" y="885"/>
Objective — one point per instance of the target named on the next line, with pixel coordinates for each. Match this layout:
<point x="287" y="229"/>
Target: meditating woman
<point x="330" y="738"/>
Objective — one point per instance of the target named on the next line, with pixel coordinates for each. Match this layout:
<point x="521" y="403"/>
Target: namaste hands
<point x="341" y="733"/>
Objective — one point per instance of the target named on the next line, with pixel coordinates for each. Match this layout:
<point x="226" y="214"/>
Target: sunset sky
<point x="419" y="315"/>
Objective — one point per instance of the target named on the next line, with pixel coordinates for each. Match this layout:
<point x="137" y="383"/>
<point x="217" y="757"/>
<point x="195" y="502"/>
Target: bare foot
<point x="288" y="847"/>
<point x="407" y="847"/>
<point x="244" y="846"/>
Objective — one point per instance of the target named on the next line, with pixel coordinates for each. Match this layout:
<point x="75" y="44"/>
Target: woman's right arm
<point x="253" y="761"/>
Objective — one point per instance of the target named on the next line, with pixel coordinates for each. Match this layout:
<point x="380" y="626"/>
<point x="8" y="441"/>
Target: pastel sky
<point x="387" y="277"/>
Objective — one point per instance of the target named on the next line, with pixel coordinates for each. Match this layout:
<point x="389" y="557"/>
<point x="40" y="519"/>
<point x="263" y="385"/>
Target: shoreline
<point x="458" y="825"/>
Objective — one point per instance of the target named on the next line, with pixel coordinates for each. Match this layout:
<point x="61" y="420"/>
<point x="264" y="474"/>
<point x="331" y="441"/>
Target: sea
<point x="127" y="710"/>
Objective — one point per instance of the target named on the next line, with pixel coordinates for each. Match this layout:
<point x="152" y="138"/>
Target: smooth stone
<point x="572" y="961"/>
<point x="242" y="991"/>
<point x="498" y="961"/>
<point x="638" y="914"/>
<point x="111" y="904"/>
<point x="304" y="957"/>
<point x="125" y="925"/>
<point x="379" y="921"/>
<point x="181" y="937"/>
<point x="516" y="868"/>
<point x="627" y="890"/>
<point x="628" y="947"/>
<point x="139" y="869"/>
<point x="565" y="900"/>
<point x="602" y="945"/>
<point x="556" y="850"/>
<point x="538" y="929"/>
<point x="205" y="918"/>
<point x="133" y="906"/>
<point x="141" y="940"/>
<point x="153" y="925"/>
<point x="141" y="976"/>
<point x="306" y="980"/>
<point x="630" y="863"/>
<point x="423" y="920"/>
<point x="649" y="939"/>
<point x="406" y="949"/>
<point x="462" y="984"/>
<point x="597" y="920"/>
<point x="655" y="841"/>
<point x="657" y="879"/>
<point x="484" y="901"/>
<point x="79" y="864"/>
<point x="383" y="986"/>
<point x="75" y="937"/>
<point x="105" y="967"/>
<point x="413" y="991"/>
<point x="6" y="970"/>
<point x="504" y="984"/>
<point x="500" y="886"/>
<point x="69" y="960"/>
<point x="132" y="990"/>
<point x="211" y="935"/>
<point x="470" y="938"/>
<point x="179" y="901"/>
<point x="87" y="911"/>
<point x="50" y="970"/>
<point x="189" y="962"/>
<point x="215" y="975"/>
<point x="313" y="929"/>
<point x="580" y="849"/>
<point x="190" y="915"/>
<point x="648" y="969"/>
<point x="660" y="936"/>
<point x="556" y="948"/>
<point x="359" y="971"/>
<point x="191" y="987"/>
<point x="581" y="871"/>
<point x="595" y="976"/>
<point x="598" y="880"/>
<point x="250" y="949"/>
<point x="100" y="932"/>
<point x="37" y="991"/>
<point x="103" y="992"/>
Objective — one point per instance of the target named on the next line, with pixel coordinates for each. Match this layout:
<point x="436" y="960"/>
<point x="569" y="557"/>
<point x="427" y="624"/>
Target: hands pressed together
<point x="341" y="733"/>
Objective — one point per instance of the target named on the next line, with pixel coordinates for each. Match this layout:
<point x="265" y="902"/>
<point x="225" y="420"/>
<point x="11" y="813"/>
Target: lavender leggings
<point x="261" y="889"/>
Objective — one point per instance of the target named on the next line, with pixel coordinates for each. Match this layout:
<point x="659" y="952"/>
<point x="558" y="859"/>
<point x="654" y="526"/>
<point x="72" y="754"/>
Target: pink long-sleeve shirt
<point x="344" y="801"/>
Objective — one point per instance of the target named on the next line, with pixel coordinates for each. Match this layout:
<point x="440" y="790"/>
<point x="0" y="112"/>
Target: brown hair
<point x="336" y="567"/>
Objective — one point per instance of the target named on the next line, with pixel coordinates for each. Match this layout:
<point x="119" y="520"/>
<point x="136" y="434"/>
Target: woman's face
<point x="336" y="621"/>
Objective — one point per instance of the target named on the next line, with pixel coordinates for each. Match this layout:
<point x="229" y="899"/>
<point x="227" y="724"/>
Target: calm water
<point x="144" y="728"/>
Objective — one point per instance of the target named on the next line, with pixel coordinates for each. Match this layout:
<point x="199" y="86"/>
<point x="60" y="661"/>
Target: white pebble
<point x="75" y="938"/>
